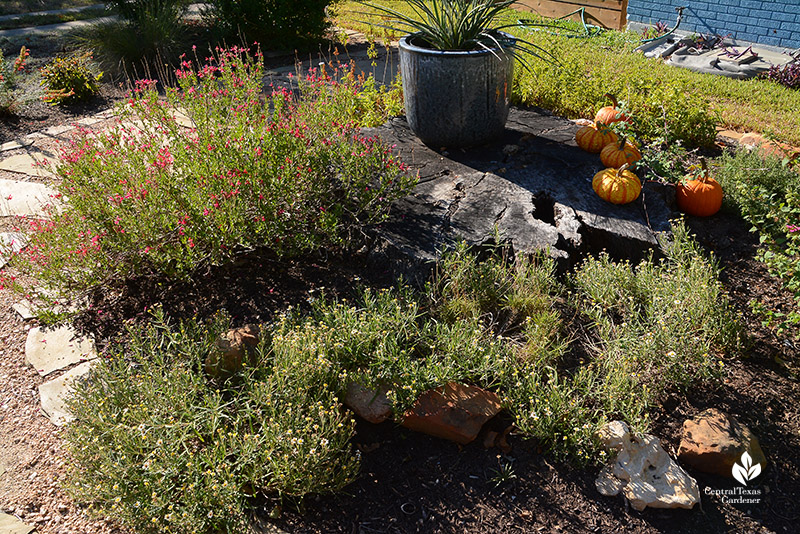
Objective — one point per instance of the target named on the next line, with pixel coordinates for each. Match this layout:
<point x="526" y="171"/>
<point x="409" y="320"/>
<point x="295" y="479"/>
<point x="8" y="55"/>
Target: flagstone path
<point x="26" y="191"/>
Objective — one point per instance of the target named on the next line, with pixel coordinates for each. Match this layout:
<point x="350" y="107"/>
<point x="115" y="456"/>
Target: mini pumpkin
<point x="612" y="113"/>
<point x="618" y="186"/>
<point x="700" y="197"/>
<point x="595" y="137"/>
<point x="618" y="154"/>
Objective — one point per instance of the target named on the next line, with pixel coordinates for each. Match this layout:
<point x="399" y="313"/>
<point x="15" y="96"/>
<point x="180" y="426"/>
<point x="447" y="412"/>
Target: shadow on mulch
<point x="254" y="289"/>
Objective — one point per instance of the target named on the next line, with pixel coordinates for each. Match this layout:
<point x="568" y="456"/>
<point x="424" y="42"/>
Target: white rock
<point x="182" y="118"/>
<point x="644" y="472"/>
<point x="10" y="242"/>
<point x="24" y="198"/>
<point x="25" y="309"/>
<point x="55" y="131"/>
<point x="50" y="350"/>
<point x="32" y="163"/>
<point x="53" y="394"/>
<point x="15" y="144"/>
<point x="88" y="121"/>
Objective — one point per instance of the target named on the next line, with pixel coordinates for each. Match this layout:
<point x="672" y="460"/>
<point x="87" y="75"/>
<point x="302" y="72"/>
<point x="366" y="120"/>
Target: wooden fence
<point x="606" y="13"/>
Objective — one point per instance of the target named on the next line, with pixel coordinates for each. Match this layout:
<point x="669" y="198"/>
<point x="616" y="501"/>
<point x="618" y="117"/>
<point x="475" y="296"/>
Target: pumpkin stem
<point x="622" y="142"/>
<point x="612" y="98"/>
<point x="624" y="166"/>
<point x="704" y="172"/>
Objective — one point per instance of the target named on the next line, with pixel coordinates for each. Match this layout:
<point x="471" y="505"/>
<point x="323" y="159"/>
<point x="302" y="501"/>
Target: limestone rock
<point x="32" y="163"/>
<point x="644" y="472"/>
<point x="48" y="350"/>
<point x="56" y="131"/>
<point x="11" y="525"/>
<point x="25" y="198"/>
<point x="10" y="242"/>
<point x="231" y="350"/>
<point x="455" y="412"/>
<point x="15" y="144"/>
<point x="88" y="121"/>
<point x="182" y="118"/>
<point x="53" y="394"/>
<point x="373" y="406"/>
<point x="713" y="441"/>
<point x="24" y="309"/>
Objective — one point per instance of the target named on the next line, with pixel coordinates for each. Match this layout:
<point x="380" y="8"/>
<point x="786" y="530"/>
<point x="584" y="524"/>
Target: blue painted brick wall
<point x="770" y="22"/>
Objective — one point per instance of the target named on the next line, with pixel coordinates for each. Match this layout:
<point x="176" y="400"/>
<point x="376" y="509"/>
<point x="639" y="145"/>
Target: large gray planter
<point x="455" y="98"/>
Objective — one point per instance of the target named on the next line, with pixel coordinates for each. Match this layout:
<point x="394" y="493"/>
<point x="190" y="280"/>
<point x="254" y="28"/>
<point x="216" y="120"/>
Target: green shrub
<point x="147" y="34"/>
<point x="14" y="83"/>
<point x="766" y="191"/>
<point x="152" y="196"/>
<point x="271" y="23"/>
<point x="69" y="80"/>
<point x="159" y="448"/>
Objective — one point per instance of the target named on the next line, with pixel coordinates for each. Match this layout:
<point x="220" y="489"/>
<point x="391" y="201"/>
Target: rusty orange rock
<point x="231" y="350"/>
<point x="713" y="441"/>
<point x="456" y="412"/>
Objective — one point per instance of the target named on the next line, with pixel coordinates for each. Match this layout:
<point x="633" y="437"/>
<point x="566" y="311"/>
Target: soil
<point x="410" y="482"/>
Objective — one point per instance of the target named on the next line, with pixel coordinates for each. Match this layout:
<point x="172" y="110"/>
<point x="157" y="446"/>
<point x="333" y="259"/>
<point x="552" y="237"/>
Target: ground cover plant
<point x="765" y="190"/>
<point x="152" y="196"/>
<point x="671" y="103"/>
<point x="162" y="447"/>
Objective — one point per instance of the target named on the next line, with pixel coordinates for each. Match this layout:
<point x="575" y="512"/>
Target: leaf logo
<point x="747" y="471"/>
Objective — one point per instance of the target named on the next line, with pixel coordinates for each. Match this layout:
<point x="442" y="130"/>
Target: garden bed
<point x="409" y="482"/>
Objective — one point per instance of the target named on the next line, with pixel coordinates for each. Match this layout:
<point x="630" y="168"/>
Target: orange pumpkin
<point x="594" y="137"/>
<point x="700" y="197"/>
<point x="618" y="186"/>
<point x="618" y="154"/>
<point x="612" y="113"/>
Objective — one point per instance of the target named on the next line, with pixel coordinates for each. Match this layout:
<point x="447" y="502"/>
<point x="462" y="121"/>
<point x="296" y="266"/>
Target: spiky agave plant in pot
<point x="457" y="68"/>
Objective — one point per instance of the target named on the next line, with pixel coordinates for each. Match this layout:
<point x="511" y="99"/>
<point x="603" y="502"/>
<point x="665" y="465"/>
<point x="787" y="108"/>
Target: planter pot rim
<point x="405" y="42"/>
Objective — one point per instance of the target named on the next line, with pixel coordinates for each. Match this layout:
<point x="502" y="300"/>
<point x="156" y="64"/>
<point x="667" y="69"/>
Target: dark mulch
<point x="37" y="115"/>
